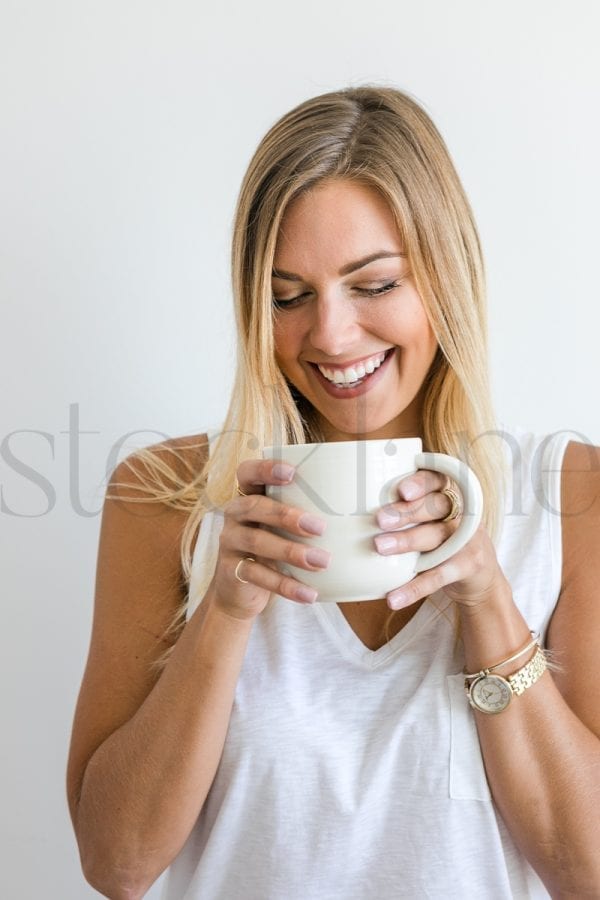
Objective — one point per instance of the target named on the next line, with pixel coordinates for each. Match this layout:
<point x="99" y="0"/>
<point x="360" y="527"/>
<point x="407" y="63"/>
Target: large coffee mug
<point x="345" y="483"/>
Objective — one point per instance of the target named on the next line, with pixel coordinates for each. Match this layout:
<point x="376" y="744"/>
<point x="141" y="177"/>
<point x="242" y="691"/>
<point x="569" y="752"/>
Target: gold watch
<point x="491" y="694"/>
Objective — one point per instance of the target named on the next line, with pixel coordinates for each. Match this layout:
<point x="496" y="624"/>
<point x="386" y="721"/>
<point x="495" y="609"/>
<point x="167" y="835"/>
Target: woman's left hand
<point x="469" y="577"/>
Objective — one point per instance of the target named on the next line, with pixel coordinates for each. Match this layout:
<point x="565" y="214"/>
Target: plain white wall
<point x="125" y="130"/>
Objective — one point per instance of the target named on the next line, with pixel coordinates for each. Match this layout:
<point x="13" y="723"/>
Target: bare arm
<point x="542" y="753"/>
<point x="144" y="750"/>
<point x="145" y="785"/>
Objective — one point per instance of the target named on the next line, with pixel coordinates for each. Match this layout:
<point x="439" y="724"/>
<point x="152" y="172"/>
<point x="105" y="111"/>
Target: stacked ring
<point x="237" y="568"/>
<point x="455" y="499"/>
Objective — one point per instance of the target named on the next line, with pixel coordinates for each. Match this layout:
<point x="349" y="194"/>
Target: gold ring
<point x="239" y="490"/>
<point x="457" y="504"/>
<point x="237" y="569"/>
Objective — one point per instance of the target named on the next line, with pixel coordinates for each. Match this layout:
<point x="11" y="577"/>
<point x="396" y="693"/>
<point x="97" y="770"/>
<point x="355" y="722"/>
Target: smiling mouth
<point x="355" y="374"/>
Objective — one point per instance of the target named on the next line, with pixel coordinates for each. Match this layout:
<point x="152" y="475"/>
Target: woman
<point x="292" y="749"/>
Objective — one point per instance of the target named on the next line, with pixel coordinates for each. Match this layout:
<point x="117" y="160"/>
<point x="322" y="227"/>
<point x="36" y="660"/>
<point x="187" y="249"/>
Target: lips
<point x="362" y="386"/>
<point x="353" y="372"/>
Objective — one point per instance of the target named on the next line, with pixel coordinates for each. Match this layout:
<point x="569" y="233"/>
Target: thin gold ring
<point x="455" y="499"/>
<point x="239" y="490"/>
<point x="237" y="568"/>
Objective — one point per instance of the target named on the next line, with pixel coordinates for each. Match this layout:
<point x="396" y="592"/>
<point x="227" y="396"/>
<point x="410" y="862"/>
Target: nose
<point x="334" y="328"/>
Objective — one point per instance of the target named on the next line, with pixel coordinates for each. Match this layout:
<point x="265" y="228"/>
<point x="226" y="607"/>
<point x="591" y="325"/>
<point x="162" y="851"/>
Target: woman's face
<point x="351" y="333"/>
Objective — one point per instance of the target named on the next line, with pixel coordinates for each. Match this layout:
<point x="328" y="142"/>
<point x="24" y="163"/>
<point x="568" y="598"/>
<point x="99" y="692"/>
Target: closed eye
<point x="365" y="292"/>
<point x="373" y="292"/>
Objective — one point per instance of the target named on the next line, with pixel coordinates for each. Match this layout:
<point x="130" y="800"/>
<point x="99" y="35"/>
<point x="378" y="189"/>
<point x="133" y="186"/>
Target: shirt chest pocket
<point x="467" y="778"/>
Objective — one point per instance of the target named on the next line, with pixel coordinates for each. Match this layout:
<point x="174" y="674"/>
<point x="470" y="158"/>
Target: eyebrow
<point x="345" y="270"/>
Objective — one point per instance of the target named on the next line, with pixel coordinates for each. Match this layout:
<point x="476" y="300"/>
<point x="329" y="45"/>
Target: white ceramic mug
<point x="345" y="483"/>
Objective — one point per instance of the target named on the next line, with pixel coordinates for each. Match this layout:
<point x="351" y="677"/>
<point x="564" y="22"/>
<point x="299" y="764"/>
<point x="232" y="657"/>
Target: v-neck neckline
<point x="335" y="624"/>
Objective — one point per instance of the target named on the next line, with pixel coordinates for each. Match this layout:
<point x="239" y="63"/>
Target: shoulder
<point x="159" y="470"/>
<point x="143" y="521"/>
<point x="149" y="501"/>
<point x="580" y="483"/>
<point x="574" y="631"/>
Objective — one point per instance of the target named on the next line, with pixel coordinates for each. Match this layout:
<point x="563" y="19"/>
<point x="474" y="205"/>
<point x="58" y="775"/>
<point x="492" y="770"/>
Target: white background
<point x="125" y="130"/>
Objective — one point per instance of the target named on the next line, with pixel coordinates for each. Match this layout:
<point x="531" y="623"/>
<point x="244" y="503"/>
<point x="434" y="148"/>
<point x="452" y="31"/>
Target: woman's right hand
<point x="245" y="534"/>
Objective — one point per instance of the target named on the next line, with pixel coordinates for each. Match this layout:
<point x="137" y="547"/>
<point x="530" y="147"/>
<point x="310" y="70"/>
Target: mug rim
<point x="345" y="445"/>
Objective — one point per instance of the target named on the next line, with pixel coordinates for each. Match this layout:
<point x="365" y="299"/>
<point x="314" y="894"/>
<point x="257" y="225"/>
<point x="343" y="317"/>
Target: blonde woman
<point x="269" y="747"/>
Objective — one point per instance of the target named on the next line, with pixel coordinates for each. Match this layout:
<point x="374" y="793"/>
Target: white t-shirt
<point x="351" y="774"/>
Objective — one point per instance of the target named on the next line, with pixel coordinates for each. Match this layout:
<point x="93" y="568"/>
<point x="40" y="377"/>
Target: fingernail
<point x="408" y="490"/>
<point x="397" y="599"/>
<point x="311" y="523"/>
<point x="318" y="558"/>
<point x="385" y="543"/>
<point x="387" y="518"/>
<point x="283" y="472"/>
<point x="306" y="594"/>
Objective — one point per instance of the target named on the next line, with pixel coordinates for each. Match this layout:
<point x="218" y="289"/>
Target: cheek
<point x="429" y="337"/>
<point x="287" y="339"/>
<point x="426" y="337"/>
<point x="409" y="329"/>
<point x="285" y="351"/>
<point x="281" y="341"/>
<point x="417" y="341"/>
<point x="418" y="329"/>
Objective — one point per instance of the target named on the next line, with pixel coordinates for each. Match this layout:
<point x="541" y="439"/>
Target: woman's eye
<point x="373" y="292"/>
<point x="366" y="292"/>
<point x="287" y="304"/>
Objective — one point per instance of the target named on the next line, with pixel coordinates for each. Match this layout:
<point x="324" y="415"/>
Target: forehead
<point x="333" y="222"/>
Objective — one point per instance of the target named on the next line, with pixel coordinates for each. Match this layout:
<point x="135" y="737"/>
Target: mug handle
<point x="472" y="497"/>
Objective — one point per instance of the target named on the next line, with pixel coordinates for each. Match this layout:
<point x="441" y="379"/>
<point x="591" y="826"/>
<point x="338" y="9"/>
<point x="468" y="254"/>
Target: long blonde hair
<point x="382" y="137"/>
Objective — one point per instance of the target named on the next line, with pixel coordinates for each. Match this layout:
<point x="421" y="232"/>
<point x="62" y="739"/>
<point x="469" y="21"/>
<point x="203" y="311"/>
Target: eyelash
<point x="368" y="292"/>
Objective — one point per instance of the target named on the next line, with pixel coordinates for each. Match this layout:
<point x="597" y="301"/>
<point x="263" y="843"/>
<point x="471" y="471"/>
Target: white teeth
<point x="353" y="373"/>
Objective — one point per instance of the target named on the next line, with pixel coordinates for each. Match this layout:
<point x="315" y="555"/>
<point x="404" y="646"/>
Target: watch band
<point x="531" y="672"/>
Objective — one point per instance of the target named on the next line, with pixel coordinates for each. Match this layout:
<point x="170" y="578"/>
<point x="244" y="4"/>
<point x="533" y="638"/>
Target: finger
<point x="258" y="509"/>
<point x="254" y="474"/>
<point x="421" y="538"/>
<point x="256" y="542"/>
<point x="425" y="584"/>
<point x="427" y="508"/>
<point x="257" y="573"/>
<point x="422" y="482"/>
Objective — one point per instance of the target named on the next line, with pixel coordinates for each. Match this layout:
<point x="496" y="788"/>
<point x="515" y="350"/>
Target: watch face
<point x="490" y="694"/>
